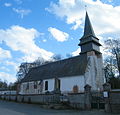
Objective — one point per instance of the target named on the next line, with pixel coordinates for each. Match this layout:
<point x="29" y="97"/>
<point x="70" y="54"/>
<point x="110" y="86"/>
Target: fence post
<point x="87" y="90"/>
<point x="106" y="90"/>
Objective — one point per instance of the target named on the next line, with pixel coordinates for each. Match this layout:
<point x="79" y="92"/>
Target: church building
<point x="72" y="74"/>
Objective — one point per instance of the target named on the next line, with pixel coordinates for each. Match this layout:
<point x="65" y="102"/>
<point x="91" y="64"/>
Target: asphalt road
<point x="12" y="108"/>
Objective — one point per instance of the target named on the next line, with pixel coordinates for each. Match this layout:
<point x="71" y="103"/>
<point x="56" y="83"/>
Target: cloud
<point x="74" y="13"/>
<point x="4" y="54"/>
<point x="22" y="39"/>
<point x="7" y="77"/>
<point x="11" y="63"/>
<point x="22" y="12"/>
<point x="75" y="53"/>
<point x="3" y="68"/>
<point x="7" y="4"/>
<point x="44" y="40"/>
<point x="110" y="1"/>
<point x="58" y="35"/>
<point x="18" y="1"/>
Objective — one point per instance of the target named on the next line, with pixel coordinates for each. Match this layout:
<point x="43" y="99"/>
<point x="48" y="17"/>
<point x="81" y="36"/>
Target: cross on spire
<point x="85" y="7"/>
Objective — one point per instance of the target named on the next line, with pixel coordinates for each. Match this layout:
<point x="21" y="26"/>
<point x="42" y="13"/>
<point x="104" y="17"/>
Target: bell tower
<point x="89" y="42"/>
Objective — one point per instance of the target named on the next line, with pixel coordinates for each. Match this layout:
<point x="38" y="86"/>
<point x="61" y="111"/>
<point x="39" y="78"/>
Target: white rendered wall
<point x="22" y="88"/>
<point x="94" y="75"/>
<point x="90" y="74"/>
<point x="31" y="89"/>
<point x="101" y="75"/>
<point x="67" y="83"/>
<point x="50" y="84"/>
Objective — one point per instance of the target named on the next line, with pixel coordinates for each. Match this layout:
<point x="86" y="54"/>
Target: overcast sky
<point x="41" y="28"/>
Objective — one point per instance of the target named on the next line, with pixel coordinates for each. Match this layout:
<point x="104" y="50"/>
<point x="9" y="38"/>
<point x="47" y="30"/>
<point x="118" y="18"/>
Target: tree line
<point x="5" y="86"/>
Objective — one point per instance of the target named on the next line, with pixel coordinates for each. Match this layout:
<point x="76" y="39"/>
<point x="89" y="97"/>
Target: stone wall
<point x="39" y="98"/>
<point x="81" y="100"/>
<point x="77" y="100"/>
<point x="74" y="100"/>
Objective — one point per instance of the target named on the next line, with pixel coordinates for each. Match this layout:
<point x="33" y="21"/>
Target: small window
<point x="27" y="86"/>
<point x="59" y="84"/>
<point x="46" y="85"/>
<point x="35" y="85"/>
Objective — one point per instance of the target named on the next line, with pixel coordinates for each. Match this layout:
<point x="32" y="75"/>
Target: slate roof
<point x="89" y="35"/>
<point x="88" y="29"/>
<point x="64" y="68"/>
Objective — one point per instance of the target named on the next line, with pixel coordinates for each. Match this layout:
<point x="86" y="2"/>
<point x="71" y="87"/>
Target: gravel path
<point x="12" y="108"/>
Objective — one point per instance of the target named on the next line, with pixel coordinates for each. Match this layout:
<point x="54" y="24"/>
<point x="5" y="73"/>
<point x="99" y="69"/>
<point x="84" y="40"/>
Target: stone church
<point x="72" y="74"/>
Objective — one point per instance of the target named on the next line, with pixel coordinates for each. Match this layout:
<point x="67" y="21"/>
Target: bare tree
<point x="25" y="67"/>
<point x="40" y="61"/>
<point x="3" y="84"/>
<point x="57" y="57"/>
<point x="113" y="46"/>
<point x="68" y="55"/>
<point x="23" y="70"/>
<point x="109" y="68"/>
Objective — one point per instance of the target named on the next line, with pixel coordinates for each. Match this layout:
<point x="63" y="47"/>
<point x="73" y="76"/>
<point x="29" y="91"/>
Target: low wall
<point x="41" y="98"/>
<point x="74" y="100"/>
<point x="77" y="100"/>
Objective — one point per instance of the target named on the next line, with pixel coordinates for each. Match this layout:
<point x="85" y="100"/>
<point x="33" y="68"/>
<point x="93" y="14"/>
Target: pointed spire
<point x="89" y="42"/>
<point x="88" y="30"/>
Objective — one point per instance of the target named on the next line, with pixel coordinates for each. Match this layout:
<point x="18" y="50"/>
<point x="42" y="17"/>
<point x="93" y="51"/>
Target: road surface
<point x="12" y="108"/>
